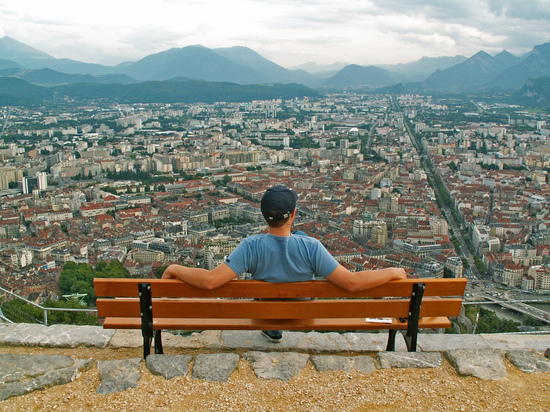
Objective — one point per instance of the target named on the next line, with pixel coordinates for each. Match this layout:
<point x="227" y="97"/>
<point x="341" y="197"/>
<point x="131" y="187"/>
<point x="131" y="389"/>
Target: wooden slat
<point x="254" y="309"/>
<point x="259" y="289"/>
<point x="272" y="324"/>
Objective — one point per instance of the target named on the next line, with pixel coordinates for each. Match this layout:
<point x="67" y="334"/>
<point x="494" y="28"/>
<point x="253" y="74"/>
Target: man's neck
<point x="280" y="231"/>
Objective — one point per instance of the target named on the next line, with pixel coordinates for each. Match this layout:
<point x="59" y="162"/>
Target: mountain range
<point x="243" y="66"/>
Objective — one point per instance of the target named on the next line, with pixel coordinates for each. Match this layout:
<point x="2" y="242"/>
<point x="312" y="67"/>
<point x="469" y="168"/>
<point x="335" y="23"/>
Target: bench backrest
<point x="120" y="298"/>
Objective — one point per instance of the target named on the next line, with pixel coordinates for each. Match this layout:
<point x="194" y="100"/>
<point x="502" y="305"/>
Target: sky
<point x="287" y="32"/>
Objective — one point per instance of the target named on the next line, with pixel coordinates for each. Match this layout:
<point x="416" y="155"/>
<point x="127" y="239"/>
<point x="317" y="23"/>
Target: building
<point x="511" y="275"/>
<point x="541" y="276"/>
<point x="42" y="178"/>
<point x="375" y="230"/>
<point x="147" y="256"/>
<point x="455" y="265"/>
<point x="29" y="184"/>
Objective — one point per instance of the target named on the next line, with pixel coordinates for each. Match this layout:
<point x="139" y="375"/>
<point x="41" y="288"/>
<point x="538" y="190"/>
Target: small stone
<point x="168" y="366"/>
<point x="288" y="364"/>
<point x="118" y="375"/>
<point x="215" y="367"/>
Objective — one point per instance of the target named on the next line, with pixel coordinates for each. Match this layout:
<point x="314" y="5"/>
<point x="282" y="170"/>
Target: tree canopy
<point x="79" y="277"/>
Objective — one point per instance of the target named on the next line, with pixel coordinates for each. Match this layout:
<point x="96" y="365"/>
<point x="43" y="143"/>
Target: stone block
<point x="215" y="367"/>
<point x="485" y="364"/>
<point x="280" y="366"/>
<point x="118" y="375"/>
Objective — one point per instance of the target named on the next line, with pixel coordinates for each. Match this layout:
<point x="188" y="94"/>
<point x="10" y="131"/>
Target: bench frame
<point x="256" y="305"/>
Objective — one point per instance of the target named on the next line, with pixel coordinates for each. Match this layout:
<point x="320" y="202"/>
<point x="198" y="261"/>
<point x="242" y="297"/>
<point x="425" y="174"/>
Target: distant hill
<point x="66" y="66"/>
<point x="536" y="64"/>
<point x="369" y="76"/>
<point x="48" y="77"/>
<point x="8" y="64"/>
<point x="16" y="92"/>
<point x="184" y="92"/>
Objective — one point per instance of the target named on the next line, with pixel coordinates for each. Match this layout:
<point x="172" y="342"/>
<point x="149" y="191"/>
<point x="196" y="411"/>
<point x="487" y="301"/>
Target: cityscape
<point x="266" y="206"/>
<point x="440" y="186"/>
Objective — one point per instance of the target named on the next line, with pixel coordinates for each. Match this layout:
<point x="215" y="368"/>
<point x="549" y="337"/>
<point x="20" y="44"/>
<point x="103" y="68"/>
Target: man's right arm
<point x="201" y="278"/>
<point x="365" y="279"/>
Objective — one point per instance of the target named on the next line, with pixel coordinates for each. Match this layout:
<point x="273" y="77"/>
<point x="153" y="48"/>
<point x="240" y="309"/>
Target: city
<point x="443" y="187"/>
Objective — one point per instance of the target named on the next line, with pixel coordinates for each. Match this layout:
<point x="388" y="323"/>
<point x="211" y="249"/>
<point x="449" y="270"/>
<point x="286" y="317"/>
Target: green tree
<point x="19" y="311"/>
<point x="79" y="278"/>
<point x="489" y="322"/>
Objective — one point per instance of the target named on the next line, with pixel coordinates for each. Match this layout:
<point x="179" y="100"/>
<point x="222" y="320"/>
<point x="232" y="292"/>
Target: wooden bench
<point x="156" y="304"/>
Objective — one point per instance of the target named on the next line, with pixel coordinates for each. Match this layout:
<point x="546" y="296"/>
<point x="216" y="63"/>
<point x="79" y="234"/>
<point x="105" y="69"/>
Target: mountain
<point x="12" y="49"/>
<point x="197" y="62"/>
<point x="272" y="72"/>
<point x="242" y="65"/>
<point x="535" y="92"/>
<point x="320" y="69"/>
<point x="355" y="75"/>
<point x="30" y="58"/>
<point x="473" y="73"/>
<point x="16" y="92"/>
<point x="536" y="64"/>
<point x="420" y="70"/>
<point x="507" y="59"/>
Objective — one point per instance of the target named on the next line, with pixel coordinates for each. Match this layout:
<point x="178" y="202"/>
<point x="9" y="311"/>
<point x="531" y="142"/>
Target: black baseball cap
<point x="278" y="202"/>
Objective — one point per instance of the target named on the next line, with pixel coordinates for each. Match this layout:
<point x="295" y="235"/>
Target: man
<point x="282" y="256"/>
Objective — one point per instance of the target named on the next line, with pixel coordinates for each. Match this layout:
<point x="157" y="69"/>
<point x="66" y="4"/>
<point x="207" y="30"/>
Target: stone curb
<point x="71" y="336"/>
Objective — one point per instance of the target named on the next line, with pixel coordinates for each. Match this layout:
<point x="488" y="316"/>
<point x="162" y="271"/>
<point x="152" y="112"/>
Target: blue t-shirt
<point x="277" y="259"/>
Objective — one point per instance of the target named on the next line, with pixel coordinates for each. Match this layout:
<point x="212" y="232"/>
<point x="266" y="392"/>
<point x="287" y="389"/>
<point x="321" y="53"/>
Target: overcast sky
<point x="288" y="32"/>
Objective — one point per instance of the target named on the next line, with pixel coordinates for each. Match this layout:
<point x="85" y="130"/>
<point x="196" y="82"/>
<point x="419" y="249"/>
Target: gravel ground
<point x="439" y="389"/>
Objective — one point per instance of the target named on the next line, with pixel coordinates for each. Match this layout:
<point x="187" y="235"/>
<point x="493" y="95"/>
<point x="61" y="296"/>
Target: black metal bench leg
<point x="146" y="307"/>
<point x="158" y="343"/>
<point x="391" y="340"/>
<point x="146" y="347"/>
<point x="411" y="336"/>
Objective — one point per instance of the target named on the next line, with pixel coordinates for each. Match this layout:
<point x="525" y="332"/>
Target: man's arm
<point x="201" y="278"/>
<point x="365" y="279"/>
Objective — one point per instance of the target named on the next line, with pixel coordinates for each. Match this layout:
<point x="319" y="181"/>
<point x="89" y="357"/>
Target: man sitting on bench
<point x="282" y="256"/>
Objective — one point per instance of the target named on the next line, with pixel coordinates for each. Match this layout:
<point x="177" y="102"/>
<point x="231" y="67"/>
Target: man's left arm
<point x="201" y="278"/>
<point x="365" y="279"/>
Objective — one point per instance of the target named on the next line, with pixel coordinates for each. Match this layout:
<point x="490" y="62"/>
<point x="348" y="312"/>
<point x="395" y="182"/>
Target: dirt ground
<point x="440" y="389"/>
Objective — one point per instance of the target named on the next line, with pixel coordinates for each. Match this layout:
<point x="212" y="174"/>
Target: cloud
<point x="288" y="31"/>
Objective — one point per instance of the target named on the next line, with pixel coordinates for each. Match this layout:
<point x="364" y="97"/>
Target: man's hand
<point x="399" y="273"/>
